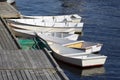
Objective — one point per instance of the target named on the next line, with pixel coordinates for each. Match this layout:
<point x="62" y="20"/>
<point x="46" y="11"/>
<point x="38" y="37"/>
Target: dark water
<point x="102" y="24"/>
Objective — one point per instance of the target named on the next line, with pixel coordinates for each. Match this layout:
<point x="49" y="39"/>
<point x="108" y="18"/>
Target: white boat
<point x="59" y="18"/>
<point x="89" y="47"/>
<point x="69" y="41"/>
<point x="47" y="28"/>
<point x="10" y="1"/>
<point x="31" y="34"/>
<point x="39" y="22"/>
<point x="77" y="57"/>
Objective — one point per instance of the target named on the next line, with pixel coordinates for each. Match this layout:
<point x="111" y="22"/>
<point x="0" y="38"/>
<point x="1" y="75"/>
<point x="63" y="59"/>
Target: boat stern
<point x="94" y="61"/>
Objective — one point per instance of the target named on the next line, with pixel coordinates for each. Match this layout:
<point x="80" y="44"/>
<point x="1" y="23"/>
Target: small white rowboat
<point x="77" y="57"/>
<point x="31" y="34"/>
<point x="47" y="29"/>
<point x="60" y="18"/>
<point x="39" y="22"/>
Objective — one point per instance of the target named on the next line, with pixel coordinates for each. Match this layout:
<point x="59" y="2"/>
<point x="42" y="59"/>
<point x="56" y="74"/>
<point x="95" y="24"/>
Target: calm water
<point x="102" y="24"/>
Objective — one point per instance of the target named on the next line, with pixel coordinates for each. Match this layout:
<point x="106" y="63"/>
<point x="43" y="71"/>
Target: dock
<point x="8" y="11"/>
<point x="7" y="39"/>
<point x="28" y="65"/>
<point x="18" y="64"/>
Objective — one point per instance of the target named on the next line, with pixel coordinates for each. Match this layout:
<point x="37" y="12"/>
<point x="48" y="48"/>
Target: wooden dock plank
<point x="14" y="76"/>
<point x="42" y="60"/>
<point x="48" y="64"/>
<point x="19" y="76"/>
<point x="29" y="76"/>
<point x="37" y="58"/>
<point x="54" y="74"/>
<point x="13" y="66"/>
<point x="9" y="75"/>
<point x="23" y="75"/>
<point x="47" y="74"/>
<point x="1" y="78"/>
<point x="20" y="59"/>
<point x="4" y="75"/>
<point x="8" y="11"/>
<point x="7" y="40"/>
<point x="2" y="41"/>
<point x="38" y="74"/>
<point x="32" y="61"/>
<point x="33" y="74"/>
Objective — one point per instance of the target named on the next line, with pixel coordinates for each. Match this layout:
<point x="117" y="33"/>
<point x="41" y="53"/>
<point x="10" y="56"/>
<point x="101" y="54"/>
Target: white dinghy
<point x="31" y="34"/>
<point x="77" y="57"/>
<point x="85" y="46"/>
<point x="59" y="18"/>
<point x="39" y="23"/>
<point x="47" y="29"/>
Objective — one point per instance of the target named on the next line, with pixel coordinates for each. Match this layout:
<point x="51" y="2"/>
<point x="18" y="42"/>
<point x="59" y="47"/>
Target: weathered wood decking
<point x="7" y="40"/>
<point x="7" y="11"/>
<point x="16" y="64"/>
<point x="31" y="64"/>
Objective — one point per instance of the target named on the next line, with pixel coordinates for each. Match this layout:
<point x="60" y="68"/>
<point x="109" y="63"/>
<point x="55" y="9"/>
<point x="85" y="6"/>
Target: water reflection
<point x="71" y="6"/>
<point x="77" y="71"/>
<point x="69" y="3"/>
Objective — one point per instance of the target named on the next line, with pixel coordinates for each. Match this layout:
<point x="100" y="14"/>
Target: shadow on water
<point x="69" y="3"/>
<point x="80" y="72"/>
<point x="71" y="6"/>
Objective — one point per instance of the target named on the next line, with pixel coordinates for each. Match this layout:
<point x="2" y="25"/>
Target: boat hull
<point x="71" y="30"/>
<point x="97" y="48"/>
<point x="77" y="57"/>
<point x="30" y="34"/>
<point x="82" y="62"/>
<point x="39" y="22"/>
<point x="58" y="18"/>
<point x="11" y="1"/>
